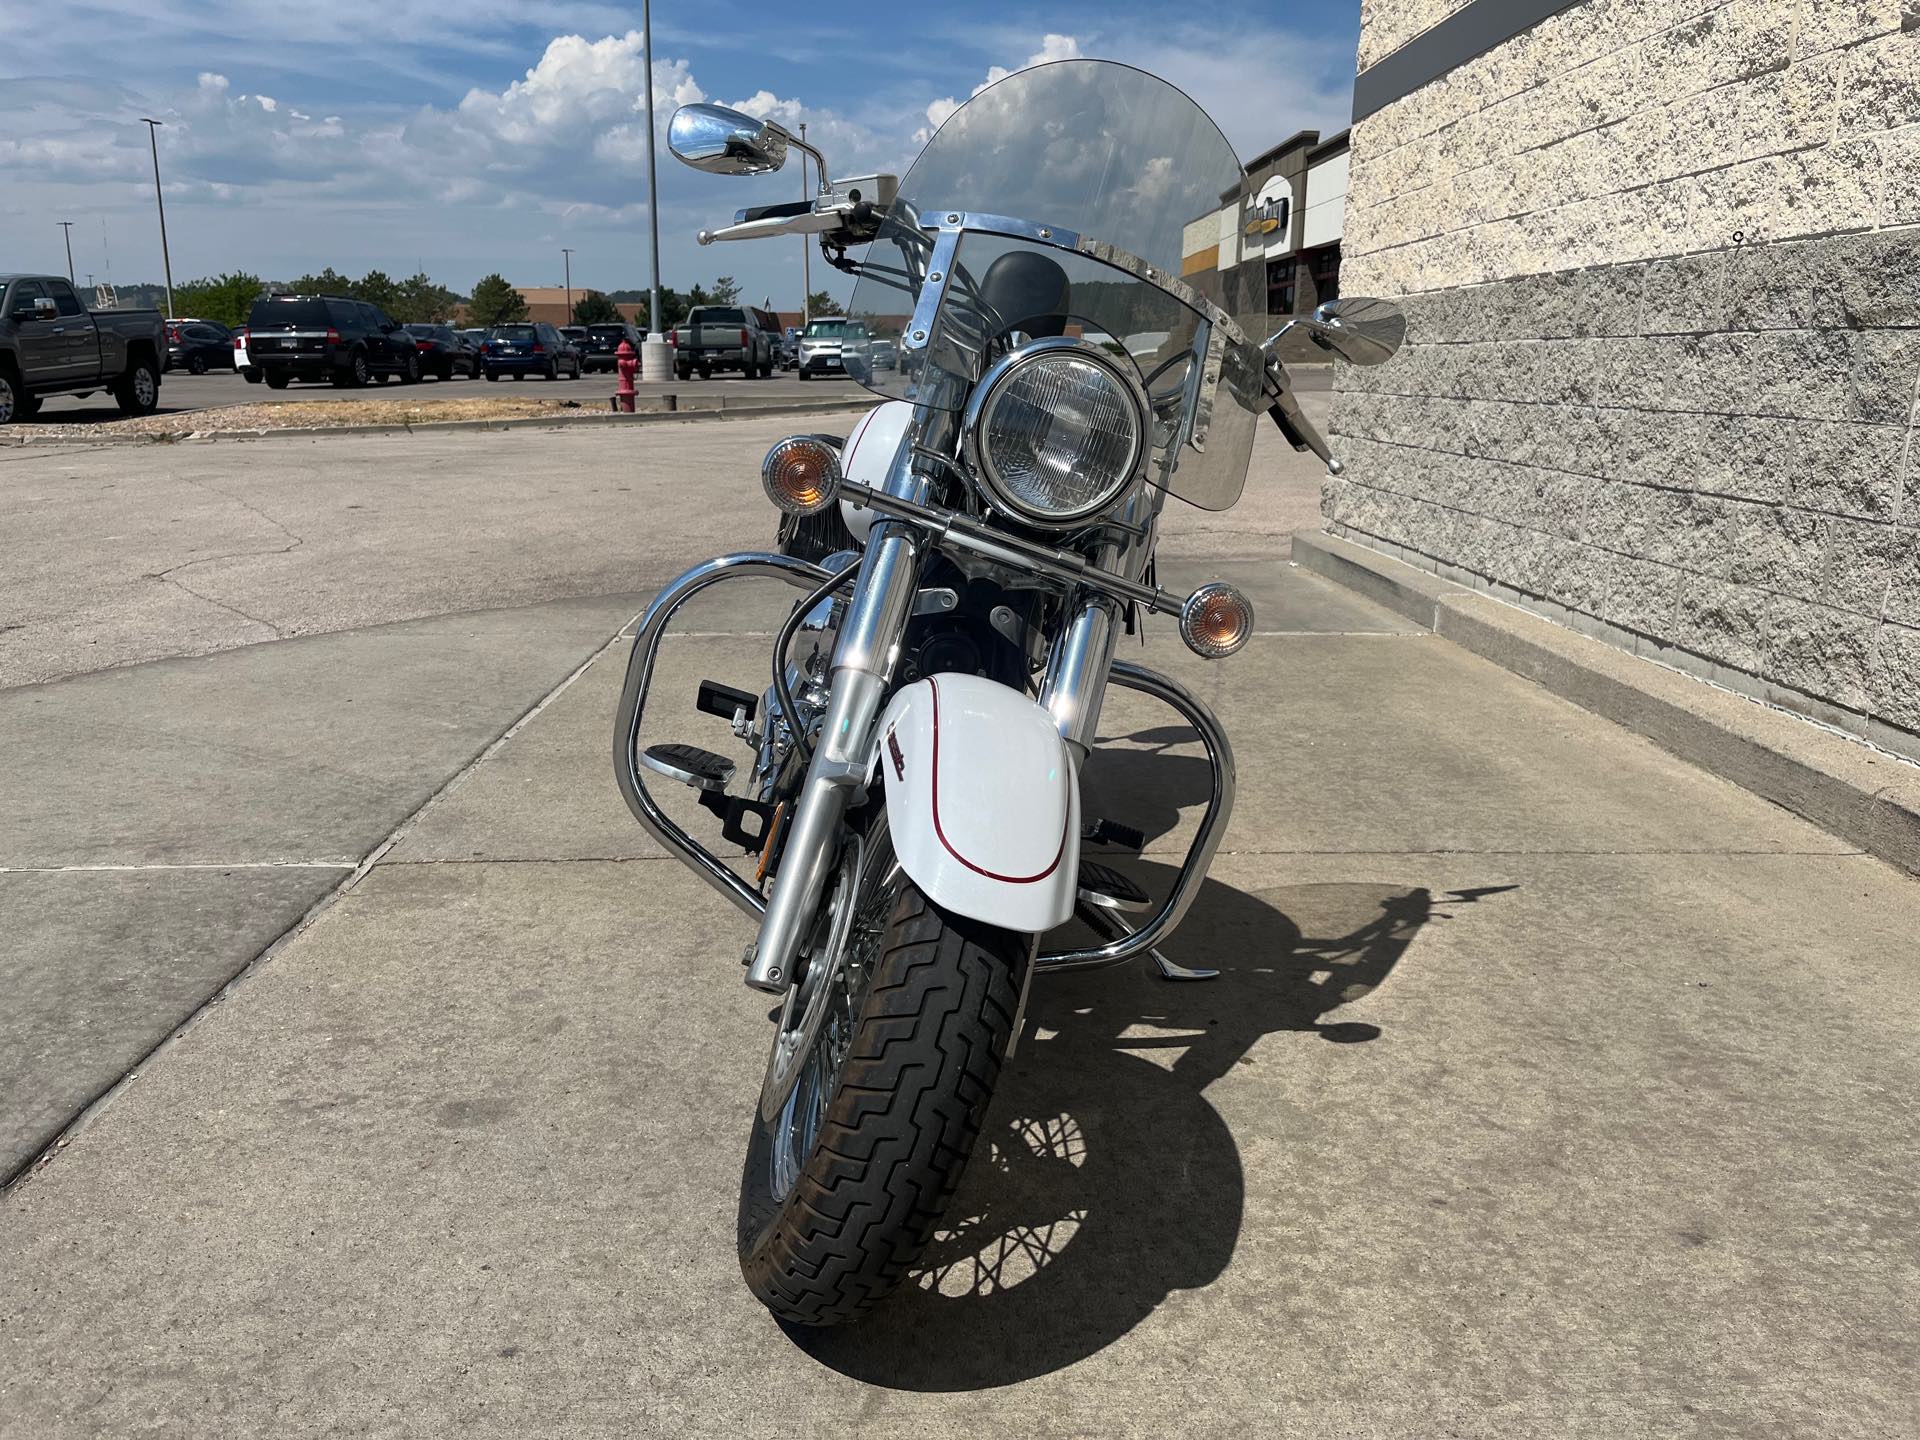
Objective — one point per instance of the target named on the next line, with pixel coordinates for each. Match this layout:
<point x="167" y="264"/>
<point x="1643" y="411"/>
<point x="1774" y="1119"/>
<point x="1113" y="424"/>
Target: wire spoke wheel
<point x="885" y="1055"/>
<point x="816" y="1025"/>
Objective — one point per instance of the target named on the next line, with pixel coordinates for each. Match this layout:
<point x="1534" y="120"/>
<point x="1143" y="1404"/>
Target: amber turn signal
<point x="1216" y="620"/>
<point x="801" y="475"/>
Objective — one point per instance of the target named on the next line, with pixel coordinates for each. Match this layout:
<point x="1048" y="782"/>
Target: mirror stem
<point x="819" y="160"/>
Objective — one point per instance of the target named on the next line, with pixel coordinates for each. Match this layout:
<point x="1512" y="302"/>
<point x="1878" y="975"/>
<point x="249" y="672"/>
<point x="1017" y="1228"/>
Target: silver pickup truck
<point x="724" y="337"/>
<point x="51" y="344"/>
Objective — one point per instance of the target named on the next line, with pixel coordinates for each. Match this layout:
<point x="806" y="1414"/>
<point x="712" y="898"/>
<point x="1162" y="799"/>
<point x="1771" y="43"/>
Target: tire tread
<point x="913" y="1094"/>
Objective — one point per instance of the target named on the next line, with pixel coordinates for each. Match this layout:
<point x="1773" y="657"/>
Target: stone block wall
<point x="1661" y="263"/>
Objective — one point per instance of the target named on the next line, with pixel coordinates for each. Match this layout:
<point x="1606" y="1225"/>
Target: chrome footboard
<point x="1206" y="839"/>
<point x="633" y="702"/>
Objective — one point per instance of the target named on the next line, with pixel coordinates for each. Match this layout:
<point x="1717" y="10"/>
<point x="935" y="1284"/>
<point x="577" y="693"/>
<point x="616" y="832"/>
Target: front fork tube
<point x="863" y="661"/>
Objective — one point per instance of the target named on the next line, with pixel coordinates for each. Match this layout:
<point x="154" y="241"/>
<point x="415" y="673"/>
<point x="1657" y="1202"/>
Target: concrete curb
<point x="529" y="422"/>
<point x="1864" y="796"/>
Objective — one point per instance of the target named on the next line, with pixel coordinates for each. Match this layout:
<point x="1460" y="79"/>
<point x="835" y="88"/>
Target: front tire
<point x="905" y="1106"/>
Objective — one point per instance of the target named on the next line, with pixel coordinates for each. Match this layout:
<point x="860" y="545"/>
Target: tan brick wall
<point x="1661" y="263"/>
<point x="1624" y="130"/>
<point x="1386" y="25"/>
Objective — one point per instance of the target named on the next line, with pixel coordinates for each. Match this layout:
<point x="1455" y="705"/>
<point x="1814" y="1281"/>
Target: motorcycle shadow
<point x="1104" y="1180"/>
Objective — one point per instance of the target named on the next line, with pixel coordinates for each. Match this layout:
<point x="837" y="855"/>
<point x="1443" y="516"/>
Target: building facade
<point x="1661" y="264"/>
<point x="1273" y="246"/>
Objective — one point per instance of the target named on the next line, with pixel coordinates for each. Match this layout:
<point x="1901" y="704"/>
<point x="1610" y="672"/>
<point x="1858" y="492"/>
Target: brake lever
<point x="812" y="222"/>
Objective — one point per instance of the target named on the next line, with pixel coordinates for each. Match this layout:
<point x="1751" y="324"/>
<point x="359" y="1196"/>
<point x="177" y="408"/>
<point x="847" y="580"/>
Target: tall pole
<point x="653" y="189"/>
<point x="67" y="227"/>
<point x="806" y="251"/>
<point x="569" y="262"/>
<point x="166" y="261"/>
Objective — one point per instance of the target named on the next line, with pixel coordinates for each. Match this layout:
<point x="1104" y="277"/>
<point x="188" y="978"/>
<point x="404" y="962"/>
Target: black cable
<point x="787" y="631"/>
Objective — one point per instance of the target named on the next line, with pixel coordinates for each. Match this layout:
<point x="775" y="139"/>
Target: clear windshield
<point x="1121" y="163"/>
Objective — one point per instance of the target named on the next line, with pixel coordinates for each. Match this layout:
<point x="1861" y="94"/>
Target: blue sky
<point x="487" y="134"/>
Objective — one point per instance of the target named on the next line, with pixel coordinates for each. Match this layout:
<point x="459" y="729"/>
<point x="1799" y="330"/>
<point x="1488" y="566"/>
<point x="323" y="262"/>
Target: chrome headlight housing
<point x="1056" y="431"/>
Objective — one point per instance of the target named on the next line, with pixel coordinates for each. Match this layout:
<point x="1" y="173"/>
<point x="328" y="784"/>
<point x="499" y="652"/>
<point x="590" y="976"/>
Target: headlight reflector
<point x="801" y="475"/>
<point x="1054" y="431"/>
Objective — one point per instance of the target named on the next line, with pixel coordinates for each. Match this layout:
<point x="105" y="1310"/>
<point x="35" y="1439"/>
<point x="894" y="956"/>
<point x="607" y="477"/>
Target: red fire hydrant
<point x="628" y="364"/>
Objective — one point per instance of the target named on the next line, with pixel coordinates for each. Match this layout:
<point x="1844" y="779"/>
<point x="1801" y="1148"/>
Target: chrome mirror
<point x="1363" y="331"/>
<point x="726" y="142"/>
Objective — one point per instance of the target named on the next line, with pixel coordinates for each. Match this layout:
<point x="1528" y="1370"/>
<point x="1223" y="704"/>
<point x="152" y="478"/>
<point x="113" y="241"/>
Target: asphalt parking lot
<point x="181" y="393"/>
<point x="1551" y="1088"/>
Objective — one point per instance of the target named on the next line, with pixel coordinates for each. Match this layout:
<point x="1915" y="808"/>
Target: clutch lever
<point x="1291" y="419"/>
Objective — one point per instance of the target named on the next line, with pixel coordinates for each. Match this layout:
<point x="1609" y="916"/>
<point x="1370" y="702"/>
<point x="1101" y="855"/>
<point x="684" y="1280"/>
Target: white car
<point x="241" y="364"/>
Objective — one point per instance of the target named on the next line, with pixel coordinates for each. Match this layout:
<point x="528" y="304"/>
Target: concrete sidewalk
<point x="1552" y="1088"/>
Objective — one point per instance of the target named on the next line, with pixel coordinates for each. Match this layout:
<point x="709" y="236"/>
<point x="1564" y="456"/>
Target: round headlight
<point x="1054" y="431"/>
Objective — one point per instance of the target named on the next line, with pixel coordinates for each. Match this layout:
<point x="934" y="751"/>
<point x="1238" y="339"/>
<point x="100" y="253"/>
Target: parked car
<point x="576" y="336"/>
<point x="721" y="337"/>
<point x="198" y="346"/>
<point x="475" y="337"/>
<point x="603" y="346"/>
<point x="786" y="353"/>
<point x="327" y="337"/>
<point x="885" y="356"/>
<point x="823" y="347"/>
<point x="529" y="348"/>
<point x="242" y="361"/>
<point x="51" y="344"/>
<point x="445" y="351"/>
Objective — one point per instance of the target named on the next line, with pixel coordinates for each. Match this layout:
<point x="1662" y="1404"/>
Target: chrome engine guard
<point x="633" y="704"/>
<point x="805" y="576"/>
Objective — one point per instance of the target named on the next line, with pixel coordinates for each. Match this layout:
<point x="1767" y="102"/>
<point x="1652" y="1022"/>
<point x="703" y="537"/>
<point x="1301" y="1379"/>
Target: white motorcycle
<point x="912" y="815"/>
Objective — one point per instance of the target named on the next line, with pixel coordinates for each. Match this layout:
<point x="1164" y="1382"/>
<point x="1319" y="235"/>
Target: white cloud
<point x="1052" y="47"/>
<point x="552" y="150"/>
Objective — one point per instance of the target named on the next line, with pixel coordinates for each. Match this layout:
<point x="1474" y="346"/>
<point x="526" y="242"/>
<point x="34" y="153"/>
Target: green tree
<point x="376" y="287"/>
<point x="821" y="303"/>
<point x="224" y="299"/>
<point x="495" y="302"/>
<point x="593" y="308"/>
<point x="421" y="302"/>
<point x="328" y="282"/>
<point x="726" y="291"/>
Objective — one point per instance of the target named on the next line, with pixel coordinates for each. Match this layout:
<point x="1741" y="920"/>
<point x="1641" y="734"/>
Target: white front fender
<point x="983" y="801"/>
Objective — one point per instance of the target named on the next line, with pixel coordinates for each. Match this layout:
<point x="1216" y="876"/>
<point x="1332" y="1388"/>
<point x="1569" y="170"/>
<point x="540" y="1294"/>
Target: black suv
<point x="327" y="337"/>
<point x="445" y="351"/>
<point x="603" y="346"/>
<point x="198" y="346"/>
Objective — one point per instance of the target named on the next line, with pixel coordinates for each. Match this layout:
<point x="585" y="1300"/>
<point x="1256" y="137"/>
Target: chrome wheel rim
<point x="143" y="390"/>
<point x="817" y="1020"/>
<point x="6" y="401"/>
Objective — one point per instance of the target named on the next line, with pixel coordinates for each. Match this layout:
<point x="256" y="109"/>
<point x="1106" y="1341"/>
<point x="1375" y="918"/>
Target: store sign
<point x="1272" y="208"/>
<point x="1269" y="216"/>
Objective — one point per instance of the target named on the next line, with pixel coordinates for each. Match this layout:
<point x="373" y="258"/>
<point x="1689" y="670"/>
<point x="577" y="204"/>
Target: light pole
<point x="806" y="254"/>
<point x="67" y="227"/>
<point x="166" y="261"/>
<point x="656" y="356"/>
<point x="569" y="263"/>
